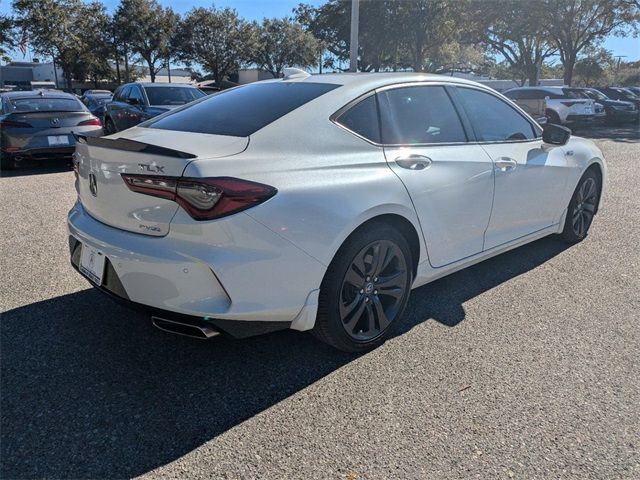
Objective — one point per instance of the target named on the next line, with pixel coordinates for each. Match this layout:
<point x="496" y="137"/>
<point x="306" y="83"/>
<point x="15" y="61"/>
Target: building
<point x="178" y="75"/>
<point x="23" y="74"/>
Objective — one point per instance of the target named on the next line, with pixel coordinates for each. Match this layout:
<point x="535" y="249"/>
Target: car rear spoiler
<point x="130" y="146"/>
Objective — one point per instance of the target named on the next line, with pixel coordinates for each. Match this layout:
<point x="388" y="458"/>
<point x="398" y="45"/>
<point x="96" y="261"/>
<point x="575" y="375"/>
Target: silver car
<point x="318" y="202"/>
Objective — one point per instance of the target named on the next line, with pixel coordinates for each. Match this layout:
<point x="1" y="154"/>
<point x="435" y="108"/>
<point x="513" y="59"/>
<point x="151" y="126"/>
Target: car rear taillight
<point x="13" y="124"/>
<point x="203" y="198"/>
<point x="92" y="121"/>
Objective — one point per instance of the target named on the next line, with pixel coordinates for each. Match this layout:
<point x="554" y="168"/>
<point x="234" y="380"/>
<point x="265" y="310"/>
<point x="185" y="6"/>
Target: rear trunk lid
<point x="45" y="120"/>
<point x="153" y="152"/>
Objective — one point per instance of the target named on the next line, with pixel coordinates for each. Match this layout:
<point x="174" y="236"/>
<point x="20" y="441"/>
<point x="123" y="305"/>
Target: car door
<point x="135" y="106"/>
<point x="530" y="177"/>
<point x="118" y="107"/>
<point x="449" y="178"/>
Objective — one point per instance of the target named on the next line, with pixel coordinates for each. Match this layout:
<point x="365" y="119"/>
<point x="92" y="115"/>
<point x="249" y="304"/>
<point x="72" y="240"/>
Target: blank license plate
<point x="58" y="140"/>
<point x="92" y="264"/>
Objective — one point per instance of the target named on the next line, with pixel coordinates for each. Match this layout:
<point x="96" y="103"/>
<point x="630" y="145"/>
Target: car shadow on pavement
<point x="90" y="389"/>
<point x="51" y="166"/>
<point x="627" y="133"/>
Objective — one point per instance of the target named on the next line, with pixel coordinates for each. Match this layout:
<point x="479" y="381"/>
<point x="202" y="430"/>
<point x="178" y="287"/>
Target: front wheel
<point x="582" y="208"/>
<point x="109" y="127"/>
<point x="365" y="289"/>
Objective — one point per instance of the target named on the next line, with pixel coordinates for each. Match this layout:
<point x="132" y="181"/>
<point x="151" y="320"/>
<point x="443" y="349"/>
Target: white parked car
<point x="318" y="202"/>
<point x="563" y="105"/>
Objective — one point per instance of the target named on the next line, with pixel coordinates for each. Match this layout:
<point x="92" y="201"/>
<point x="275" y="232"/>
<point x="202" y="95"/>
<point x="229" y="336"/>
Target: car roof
<point x="164" y="84"/>
<point x="38" y="93"/>
<point x="374" y="80"/>
<point x="546" y="89"/>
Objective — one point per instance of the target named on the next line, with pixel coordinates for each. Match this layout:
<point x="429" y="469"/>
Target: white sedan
<point x="318" y="202"/>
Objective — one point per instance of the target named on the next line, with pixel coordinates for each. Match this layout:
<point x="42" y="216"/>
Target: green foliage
<point x="282" y="43"/>
<point x="8" y="37"/>
<point x="393" y="35"/>
<point x="67" y="31"/>
<point x="515" y="30"/>
<point x="147" y="29"/>
<point x="573" y="26"/>
<point x="218" y="40"/>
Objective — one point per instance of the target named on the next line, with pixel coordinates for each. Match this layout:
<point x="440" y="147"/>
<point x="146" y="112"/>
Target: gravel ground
<point x="524" y="366"/>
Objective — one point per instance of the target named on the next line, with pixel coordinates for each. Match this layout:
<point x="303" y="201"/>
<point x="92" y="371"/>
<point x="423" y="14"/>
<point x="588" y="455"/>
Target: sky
<point x="628" y="47"/>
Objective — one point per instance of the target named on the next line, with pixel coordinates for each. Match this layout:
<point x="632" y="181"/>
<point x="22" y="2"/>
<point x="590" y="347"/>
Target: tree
<point x="93" y="28"/>
<point x="7" y="34"/>
<point x="218" y="40"/>
<point x="146" y="29"/>
<point x="574" y="25"/>
<point x="378" y="36"/>
<point x="596" y="67"/>
<point x="55" y="30"/>
<point x="515" y="30"/>
<point x="282" y="43"/>
<point x="427" y="26"/>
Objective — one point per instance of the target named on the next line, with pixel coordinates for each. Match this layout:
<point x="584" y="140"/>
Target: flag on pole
<point x="23" y="43"/>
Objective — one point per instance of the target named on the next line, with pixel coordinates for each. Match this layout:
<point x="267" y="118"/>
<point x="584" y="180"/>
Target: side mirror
<point x="133" y="101"/>
<point x="555" y="134"/>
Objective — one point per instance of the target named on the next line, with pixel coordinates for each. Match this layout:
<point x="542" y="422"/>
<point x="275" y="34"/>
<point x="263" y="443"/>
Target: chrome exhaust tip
<point x="185" y="329"/>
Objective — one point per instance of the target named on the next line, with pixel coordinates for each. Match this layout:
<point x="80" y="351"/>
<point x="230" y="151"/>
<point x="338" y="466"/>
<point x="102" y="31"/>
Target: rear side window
<point x="418" y="115"/>
<point x="492" y="119"/>
<point x="362" y="119"/>
<point x="242" y="111"/>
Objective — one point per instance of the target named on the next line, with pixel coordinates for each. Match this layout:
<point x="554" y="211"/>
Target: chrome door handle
<point x="504" y="164"/>
<point x="414" y="162"/>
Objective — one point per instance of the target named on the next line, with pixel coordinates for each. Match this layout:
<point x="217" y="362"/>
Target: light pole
<point x="353" y="44"/>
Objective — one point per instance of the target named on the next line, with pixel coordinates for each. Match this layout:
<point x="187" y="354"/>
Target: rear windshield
<point x="44" y="104"/>
<point x="172" y="95"/>
<point x="242" y="111"/>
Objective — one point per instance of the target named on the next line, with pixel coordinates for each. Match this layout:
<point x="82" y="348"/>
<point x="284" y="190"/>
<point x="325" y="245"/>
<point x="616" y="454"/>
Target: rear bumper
<point x="40" y="154"/>
<point x="229" y="270"/>
<point x="112" y="288"/>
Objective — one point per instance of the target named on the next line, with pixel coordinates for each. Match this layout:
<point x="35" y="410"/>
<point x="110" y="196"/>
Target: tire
<point x="582" y="208"/>
<point x="357" y="308"/>
<point x="109" y="126"/>
<point x="553" y="117"/>
<point x="8" y="164"/>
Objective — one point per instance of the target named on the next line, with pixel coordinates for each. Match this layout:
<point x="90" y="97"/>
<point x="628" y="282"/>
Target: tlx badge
<point x="145" y="167"/>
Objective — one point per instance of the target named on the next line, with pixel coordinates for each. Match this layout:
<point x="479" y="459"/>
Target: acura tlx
<point x="318" y="202"/>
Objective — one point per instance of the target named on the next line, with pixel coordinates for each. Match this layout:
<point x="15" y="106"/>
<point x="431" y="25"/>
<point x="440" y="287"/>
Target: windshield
<point x="596" y="95"/>
<point x="101" y="100"/>
<point x="629" y="94"/>
<point x="241" y="111"/>
<point x="172" y="95"/>
<point x="44" y="104"/>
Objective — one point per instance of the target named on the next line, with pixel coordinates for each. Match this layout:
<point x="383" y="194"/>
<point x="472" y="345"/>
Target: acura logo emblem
<point x="93" y="185"/>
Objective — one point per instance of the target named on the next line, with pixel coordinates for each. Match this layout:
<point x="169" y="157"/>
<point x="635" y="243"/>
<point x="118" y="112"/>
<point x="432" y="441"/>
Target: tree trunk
<point x="533" y="75"/>
<point x="568" y="65"/>
<point x="126" y="64"/>
<point x="67" y="79"/>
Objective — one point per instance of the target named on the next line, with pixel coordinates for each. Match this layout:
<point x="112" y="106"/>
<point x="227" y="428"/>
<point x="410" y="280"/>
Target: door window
<point x="135" y="93"/>
<point x="494" y="120"/>
<point x="419" y="115"/>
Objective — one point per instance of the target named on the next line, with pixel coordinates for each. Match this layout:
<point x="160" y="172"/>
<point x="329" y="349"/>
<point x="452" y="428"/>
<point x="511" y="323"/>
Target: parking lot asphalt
<point x="524" y="366"/>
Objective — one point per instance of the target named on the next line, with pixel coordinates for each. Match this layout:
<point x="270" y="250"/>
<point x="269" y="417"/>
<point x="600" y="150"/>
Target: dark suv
<point x="136" y="102"/>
